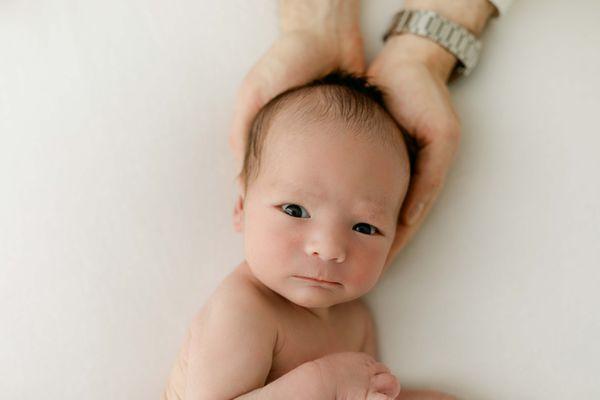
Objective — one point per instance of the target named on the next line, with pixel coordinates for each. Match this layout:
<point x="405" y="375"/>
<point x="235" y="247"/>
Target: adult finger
<point x="293" y="60"/>
<point x="247" y="104"/>
<point x="431" y="166"/>
<point x="433" y="161"/>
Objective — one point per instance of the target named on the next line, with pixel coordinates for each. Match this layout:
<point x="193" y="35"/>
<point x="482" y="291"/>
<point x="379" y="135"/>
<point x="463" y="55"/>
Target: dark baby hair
<point x="339" y="95"/>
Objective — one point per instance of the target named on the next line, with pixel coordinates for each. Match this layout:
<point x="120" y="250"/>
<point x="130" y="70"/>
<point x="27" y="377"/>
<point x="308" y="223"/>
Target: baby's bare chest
<point x="304" y="338"/>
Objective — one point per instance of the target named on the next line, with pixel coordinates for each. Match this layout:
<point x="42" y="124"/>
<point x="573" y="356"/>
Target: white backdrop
<point x="116" y="192"/>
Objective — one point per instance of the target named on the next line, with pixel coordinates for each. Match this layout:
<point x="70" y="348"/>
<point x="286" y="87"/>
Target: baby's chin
<point x="312" y="295"/>
<point x="308" y="302"/>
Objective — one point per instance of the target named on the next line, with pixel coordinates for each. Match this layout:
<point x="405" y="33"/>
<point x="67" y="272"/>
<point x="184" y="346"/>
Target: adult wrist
<point x="472" y="14"/>
<point x="410" y="48"/>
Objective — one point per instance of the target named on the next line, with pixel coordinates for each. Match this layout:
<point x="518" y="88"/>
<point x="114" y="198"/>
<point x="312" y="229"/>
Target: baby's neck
<point x="321" y="313"/>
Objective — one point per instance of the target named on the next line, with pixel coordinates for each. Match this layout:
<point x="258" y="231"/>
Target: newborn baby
<point x="325" y="173"/>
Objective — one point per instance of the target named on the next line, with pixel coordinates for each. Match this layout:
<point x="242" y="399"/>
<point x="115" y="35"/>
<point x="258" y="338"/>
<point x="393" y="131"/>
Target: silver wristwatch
<point x="452" y="36"/>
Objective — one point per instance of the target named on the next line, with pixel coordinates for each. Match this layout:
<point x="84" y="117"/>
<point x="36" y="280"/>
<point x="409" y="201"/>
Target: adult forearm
<point x="301" y="383"/>
<point x="333" y="25"/>
<point x="472" y="14"/>
<point x="333" y="16"/>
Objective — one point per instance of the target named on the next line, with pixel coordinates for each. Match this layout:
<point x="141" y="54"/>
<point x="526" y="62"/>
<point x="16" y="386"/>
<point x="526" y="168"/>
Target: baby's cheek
<point x="271" y="239"/>
<point x="283" y="245"/>
<point x="367" y="268"/>
<point x="363" y="278"/>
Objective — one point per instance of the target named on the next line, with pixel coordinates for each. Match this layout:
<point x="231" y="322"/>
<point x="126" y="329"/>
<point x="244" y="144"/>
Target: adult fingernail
<point x="414" y="213"/>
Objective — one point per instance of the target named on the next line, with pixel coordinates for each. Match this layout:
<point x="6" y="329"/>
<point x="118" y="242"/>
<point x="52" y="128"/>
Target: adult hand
<point x="413" y="72"/>
<point x="317" y="36"/>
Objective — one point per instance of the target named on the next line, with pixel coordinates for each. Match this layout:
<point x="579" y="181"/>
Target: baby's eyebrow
<point x="292" y="187"/>
<point x="374" y="207"/>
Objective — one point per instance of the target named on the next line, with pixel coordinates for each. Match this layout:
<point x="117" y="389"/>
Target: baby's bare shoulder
<point x="239" y="294"/>
<point x="241" y="284"/>
<point x="237" y="327"/>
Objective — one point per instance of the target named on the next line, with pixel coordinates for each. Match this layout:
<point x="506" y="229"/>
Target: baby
<point x="325" y="173"/>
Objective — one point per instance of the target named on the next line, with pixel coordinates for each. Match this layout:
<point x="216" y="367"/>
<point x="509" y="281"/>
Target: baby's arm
<point x="302" y="383"/>
<point x="230" y="354"/>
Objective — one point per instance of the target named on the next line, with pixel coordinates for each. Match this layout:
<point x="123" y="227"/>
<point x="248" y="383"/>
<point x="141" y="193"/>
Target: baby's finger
<point x="380" y="368"/>
<point x="386" y="384"/>
<point x="378" y="396"/>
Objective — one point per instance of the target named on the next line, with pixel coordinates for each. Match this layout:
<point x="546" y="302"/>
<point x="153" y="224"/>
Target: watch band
<point x="453" y="37"/>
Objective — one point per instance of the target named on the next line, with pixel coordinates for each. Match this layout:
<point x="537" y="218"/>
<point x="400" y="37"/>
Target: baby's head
<point x="325" y="173"/>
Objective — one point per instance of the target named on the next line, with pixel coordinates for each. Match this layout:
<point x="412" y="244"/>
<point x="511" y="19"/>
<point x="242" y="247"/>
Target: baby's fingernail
<point x="414" y="213"/>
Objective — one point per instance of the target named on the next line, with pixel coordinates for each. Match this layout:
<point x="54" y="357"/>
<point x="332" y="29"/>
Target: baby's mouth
<point x="317" y="280"/>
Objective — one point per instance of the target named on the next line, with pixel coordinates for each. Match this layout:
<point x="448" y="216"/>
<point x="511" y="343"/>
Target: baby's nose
<point x="327" y="250"/>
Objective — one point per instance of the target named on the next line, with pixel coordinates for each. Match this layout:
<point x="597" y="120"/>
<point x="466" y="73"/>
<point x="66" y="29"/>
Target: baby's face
<point x="324" y="206"/>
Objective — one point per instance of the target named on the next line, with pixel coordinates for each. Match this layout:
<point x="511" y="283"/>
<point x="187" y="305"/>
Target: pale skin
<point x="318" y="36"/>
<point x="260" y="336"/>
<point x="267" y="333"/>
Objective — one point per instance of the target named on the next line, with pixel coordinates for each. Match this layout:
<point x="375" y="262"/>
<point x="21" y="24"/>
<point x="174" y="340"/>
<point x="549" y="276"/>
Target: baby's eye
<point x="295" y="211"/>
<point x="366" y="228"/>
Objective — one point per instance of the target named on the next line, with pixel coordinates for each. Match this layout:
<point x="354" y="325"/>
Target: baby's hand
<point x="358" y="376"/>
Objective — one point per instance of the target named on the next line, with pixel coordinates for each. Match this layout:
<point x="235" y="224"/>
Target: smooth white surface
<point x="116" y="191"/>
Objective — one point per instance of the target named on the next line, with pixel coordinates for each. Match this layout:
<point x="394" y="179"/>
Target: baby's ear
<point x="238" y="214"/>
